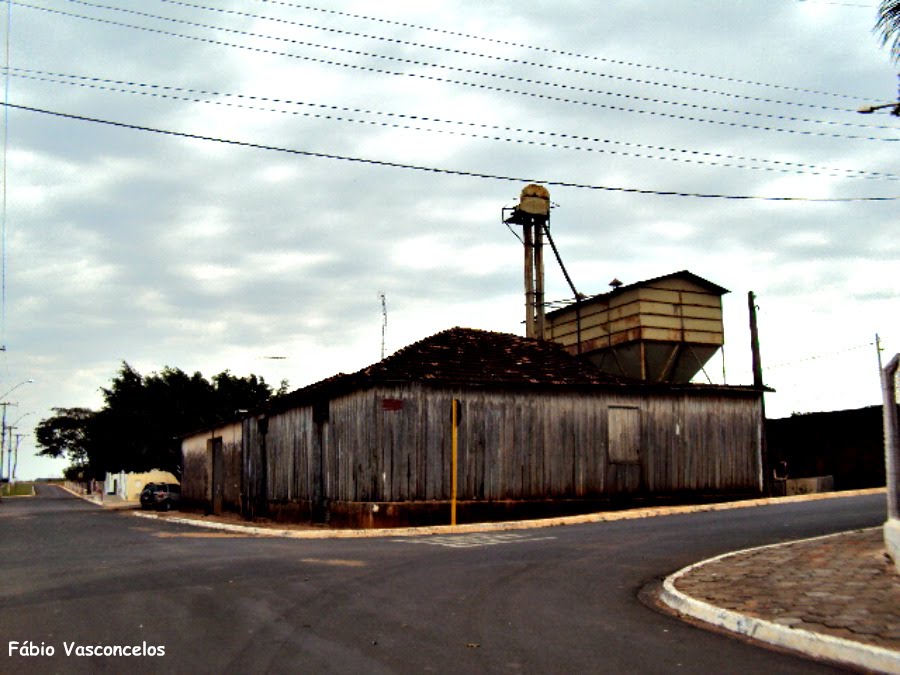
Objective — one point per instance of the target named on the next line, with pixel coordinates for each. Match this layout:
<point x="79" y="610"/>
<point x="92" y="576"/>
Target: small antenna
<point x="5" y="172"/>
<point x="383" y="320"/>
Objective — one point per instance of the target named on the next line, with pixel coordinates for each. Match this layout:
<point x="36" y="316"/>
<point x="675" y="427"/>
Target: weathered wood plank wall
<point x="393" y="444"/>
<point x="197" y="466"/>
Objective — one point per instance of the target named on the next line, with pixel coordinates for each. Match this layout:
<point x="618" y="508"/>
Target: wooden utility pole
<point x="765" y="464"/>
<point x="754" y="342"/>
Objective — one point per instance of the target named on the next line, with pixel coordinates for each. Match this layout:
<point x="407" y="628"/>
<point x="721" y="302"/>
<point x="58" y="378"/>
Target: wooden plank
<point x="678" y="297"/>
<point x="514" y="444"/>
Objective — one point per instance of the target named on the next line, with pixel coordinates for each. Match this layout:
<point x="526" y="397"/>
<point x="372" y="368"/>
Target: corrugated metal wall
<point x="393" y="444"/>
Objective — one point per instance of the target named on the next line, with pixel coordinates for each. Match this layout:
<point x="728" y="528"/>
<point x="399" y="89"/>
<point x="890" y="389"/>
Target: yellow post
<point x="453" y="444"/>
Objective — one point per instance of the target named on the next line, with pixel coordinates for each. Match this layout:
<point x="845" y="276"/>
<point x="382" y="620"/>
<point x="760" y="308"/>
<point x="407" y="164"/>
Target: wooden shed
<point x="537" y="426"/>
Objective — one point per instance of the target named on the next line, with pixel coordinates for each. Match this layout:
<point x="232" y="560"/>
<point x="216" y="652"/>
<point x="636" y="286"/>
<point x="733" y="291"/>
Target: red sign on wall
<point x="392" y="404"/>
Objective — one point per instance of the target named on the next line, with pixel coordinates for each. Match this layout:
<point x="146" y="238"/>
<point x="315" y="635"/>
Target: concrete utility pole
<point x="15" y="468"/>
<point x="9" y="454"/>
<point x="5" y="405"/>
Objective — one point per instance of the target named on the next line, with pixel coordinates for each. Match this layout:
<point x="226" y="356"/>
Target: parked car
<point x="161" y="496"/>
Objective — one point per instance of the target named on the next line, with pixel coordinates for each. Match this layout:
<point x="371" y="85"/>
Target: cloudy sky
<point x="369" y="147"/>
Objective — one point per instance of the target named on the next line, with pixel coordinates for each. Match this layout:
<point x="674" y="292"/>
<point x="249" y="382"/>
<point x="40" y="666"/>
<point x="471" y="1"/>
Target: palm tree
<point x="888" y="25"/>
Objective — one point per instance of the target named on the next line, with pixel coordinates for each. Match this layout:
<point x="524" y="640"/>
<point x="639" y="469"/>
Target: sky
<point x="232" y="185"/>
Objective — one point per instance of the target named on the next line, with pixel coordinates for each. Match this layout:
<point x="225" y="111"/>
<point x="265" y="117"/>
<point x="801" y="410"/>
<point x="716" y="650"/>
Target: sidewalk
<point x="834" y="597"/>
<point x="106" y="501"/>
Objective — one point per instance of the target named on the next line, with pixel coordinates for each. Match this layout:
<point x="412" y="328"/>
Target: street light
<point x="5" y="405"/>
<point x="11" y="464"/>
<point x="13" y="425"/>
<point x="869" y="109"/>
<point x="28" y="381"/>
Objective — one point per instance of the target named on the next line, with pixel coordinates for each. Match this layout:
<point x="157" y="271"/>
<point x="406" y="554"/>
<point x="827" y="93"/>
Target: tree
<point x="138" y="428"/>
<point x="66" y="435"/>
<point x="888" y="25"/>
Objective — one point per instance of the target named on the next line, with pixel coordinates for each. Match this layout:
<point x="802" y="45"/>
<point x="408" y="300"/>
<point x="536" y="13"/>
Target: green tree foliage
<point x="143" y="416"/>
<point x="888" y="25"/>
<point x="65" y="435"/>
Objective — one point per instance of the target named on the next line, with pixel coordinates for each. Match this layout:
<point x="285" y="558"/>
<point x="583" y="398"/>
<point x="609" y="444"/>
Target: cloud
<point x="162" y="250"/>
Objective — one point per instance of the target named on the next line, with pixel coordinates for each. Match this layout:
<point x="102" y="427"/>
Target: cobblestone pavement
<point x="841" y="585"/>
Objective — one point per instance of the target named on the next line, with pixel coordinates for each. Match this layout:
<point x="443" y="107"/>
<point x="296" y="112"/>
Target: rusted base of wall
<point x="414" y="514"/>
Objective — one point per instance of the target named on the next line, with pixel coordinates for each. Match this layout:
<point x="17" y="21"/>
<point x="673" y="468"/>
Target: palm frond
<point x="888" y="25"/>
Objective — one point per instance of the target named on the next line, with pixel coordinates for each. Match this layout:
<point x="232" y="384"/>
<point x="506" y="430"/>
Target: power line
<point x="481" y="86"/>
<point x="450" y="172"/>
<point x="559" y="52"/>
<point x="688" y="156"/>
<point x="471" y="71"/>
<point x="492" y="57"/>
<point x="839" y="4"/>
<point x="816" y="357"/>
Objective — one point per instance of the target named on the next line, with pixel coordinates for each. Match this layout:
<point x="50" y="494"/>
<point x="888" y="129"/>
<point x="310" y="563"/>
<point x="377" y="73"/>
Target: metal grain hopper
<point x="660" y="330"/>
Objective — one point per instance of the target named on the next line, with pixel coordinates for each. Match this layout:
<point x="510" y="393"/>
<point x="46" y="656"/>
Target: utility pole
<point x="754" y="342"/>
<point x="15" y="467"/>
<point x="383" y="320"/>
<point x="5" y="404"/>
<point x="758" y="384"/>
<point x="892" y="458"/>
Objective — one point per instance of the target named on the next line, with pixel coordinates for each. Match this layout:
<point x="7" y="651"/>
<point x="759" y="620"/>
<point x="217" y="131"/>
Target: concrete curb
<point x="33" y="493"/>
<point x="88" y="498"/>
<point x="97" y="500"/>
<point x="817" y="645"/>
<point x="471" y="528"/>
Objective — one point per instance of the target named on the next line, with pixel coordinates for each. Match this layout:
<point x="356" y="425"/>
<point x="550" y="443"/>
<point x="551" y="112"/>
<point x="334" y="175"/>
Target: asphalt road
<point x="553" y="600"/>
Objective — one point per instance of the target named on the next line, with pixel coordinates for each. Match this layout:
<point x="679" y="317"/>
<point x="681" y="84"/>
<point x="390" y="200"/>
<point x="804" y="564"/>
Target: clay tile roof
<point x="479" y="357"/>
<point x="464" y="356"/>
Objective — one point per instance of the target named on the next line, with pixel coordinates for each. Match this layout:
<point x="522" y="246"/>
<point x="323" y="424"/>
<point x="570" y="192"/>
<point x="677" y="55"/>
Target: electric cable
<point x="816" y="357"/>
<point x="450" y="172"/>
<point x="467" y="71"/>
<point x="492" y="57"/>
<point x="481" y="86"/>
<point x="691" y="156"/>
<point x="559" y="52"/>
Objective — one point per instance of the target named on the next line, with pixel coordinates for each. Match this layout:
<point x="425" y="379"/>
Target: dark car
<point x="162" y="496"/>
